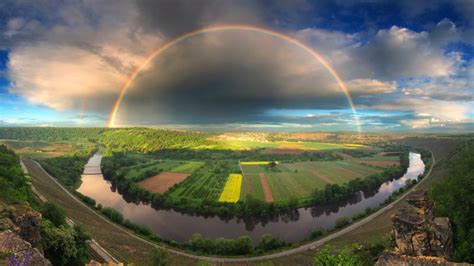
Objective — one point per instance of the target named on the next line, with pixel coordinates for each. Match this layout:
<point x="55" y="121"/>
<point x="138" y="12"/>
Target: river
<point x="173" y="225"/>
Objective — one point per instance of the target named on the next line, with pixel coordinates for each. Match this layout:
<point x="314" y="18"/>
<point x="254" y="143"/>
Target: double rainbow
<point x="233" y="27"/>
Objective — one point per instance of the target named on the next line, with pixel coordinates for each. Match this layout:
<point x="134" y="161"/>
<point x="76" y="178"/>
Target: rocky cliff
<point x="420" y="238"/>
<point x="20" y="236"/>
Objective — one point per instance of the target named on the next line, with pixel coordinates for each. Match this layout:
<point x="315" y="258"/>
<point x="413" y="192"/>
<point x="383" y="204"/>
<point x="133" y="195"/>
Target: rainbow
<point x="233" y="27"/>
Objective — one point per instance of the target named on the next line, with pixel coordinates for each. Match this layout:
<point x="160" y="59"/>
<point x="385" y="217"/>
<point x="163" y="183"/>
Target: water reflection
<point x="291" y="227"/>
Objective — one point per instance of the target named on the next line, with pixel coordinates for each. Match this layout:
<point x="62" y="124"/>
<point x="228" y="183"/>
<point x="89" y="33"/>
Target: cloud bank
<point x="76" y="55"/>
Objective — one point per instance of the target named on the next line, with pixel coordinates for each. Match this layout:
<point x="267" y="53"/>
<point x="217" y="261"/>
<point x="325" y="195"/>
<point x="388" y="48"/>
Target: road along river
<point x="178" y="226"/>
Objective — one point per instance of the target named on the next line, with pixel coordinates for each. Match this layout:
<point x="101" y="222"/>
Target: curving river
<point x="178" y="226"/>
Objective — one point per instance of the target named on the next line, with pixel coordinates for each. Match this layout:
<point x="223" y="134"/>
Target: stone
<point x="418" y="233"/>
<point x="21" y="252"/>
<point x="30" y="228"/>
<point x="391" y="258"/>
<point x="420" y="238"/>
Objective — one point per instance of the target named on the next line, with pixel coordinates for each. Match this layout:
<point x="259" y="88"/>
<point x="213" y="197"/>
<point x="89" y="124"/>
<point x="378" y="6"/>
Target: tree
<point x="453" y="197"/>
<point x="159" y="257"/>
<point x="269" y="242"/>
<point x="54" y="213"/>
<point x="243" y="245"/>
<point x="64" y="245"/>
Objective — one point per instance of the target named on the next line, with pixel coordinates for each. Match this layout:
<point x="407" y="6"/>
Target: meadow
<point x="299" y="179"/>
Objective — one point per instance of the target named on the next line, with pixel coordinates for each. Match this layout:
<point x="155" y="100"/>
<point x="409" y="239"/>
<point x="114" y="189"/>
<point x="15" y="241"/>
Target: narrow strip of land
<point x="323" y="177"/>
<point x="267" y="192"/>
<point x="125" y="244"/>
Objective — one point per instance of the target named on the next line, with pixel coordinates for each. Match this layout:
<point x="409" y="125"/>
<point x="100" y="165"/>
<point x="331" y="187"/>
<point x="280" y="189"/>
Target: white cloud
<point x="79" y="60"/>
<point x="371" y="86"/>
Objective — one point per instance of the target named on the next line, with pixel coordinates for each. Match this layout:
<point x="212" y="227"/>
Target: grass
<point x="381" y="158"/>
<point x="286" y="185"/>
<point x="309" y="145"/>
<point x="251" y="186"/>
<point x="299" y="179"/>
<point x="257" y="163"/>
<point x="253" y="169"/>
<point x="187" y="167"/>
<point x="39" y="149"/>
<point x="231" y="192"/>
<point x="175" y="166"/>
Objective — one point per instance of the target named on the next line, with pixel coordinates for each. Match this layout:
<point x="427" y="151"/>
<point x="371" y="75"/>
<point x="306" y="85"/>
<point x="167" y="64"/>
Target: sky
<point x="408" y="65"/>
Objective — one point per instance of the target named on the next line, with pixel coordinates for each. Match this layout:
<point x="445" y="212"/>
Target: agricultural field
<point x="39" y="149"/>
<point x="297" y="180"/>
<point x="231" y="192"/>
<point x="162" y="182"/>
<point x="197" y="176"/>
<point x="276" y="146"/>
<point x="153" y="167"/>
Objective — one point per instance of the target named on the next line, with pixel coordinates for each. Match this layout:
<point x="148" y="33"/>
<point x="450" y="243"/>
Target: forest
<point x="62" y="245"/>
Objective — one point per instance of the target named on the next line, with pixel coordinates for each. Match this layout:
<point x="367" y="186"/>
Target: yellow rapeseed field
<point x="256" y="163"/>
<point x="232" y="187"/>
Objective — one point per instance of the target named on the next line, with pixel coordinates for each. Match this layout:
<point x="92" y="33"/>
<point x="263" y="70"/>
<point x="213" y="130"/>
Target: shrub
<point x="54" y="213"/>
<point x="112" y="214"/>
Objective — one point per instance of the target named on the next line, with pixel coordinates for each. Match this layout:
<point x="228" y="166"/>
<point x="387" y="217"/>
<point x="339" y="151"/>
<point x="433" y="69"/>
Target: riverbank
<point x="92" y="220"/>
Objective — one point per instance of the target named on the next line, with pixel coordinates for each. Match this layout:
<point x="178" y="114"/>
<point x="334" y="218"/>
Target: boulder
<point x="420" y="238"/>
<point x="19" y="251"/>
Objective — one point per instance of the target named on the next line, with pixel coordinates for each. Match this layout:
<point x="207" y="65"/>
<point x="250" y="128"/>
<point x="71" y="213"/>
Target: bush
<point x="269" y="242"/>
<point x="53" y="213"/>
<point x="159" y="257"/>
<point x="342" y="222"/>
<point x="315" y="233"/>
<point x="112" y="214"/>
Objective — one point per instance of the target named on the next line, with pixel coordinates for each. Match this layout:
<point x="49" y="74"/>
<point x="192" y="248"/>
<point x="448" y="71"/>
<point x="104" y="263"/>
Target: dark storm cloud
<point x="174" y="17"/>
<point x="217" y="78"/>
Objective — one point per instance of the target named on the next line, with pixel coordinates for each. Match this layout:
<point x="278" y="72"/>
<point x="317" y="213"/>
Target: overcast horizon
<point x="408" y="65"/>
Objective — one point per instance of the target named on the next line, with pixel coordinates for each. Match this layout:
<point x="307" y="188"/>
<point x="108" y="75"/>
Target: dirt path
<point x="323" y="177"/>
<point x="267" y="192"/>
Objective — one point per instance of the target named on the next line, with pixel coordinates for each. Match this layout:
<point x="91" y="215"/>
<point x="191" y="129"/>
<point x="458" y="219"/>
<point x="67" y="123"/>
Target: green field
<point x="381" y="158"/>
<point x="187" y="167"/>
<point x="251" y="186"/>
<point x="298" y="180"/>
<point x="155" y="166"/>
<point x="304" y="145"/>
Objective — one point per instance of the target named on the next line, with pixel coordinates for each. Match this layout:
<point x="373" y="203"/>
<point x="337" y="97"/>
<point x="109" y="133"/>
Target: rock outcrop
<point x="420" y="238"/>
<point x="19" y="251"/>
<point x="20" y="236"/>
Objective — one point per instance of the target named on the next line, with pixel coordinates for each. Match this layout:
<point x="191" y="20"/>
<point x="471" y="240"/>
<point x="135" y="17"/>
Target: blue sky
<point x="409" y="65"/>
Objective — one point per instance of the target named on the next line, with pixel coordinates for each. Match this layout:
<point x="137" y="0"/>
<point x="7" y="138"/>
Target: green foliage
<point x="53" y="213"/>
<point x="228" y="247"/>
<point x="86" y="199"/>
<point x="345" y="257"/>
<point x="64" y="245"/>
<point x="51" y="133"/>
<point x="454" y="199"/>
<point x="269" y="242"/>
<point x="335" y="192"/>
<point x="342" y="222"/>
<point x="141" y="230"/>
<point x="14" y="187"/>
<point x="160" y="257"/>
<point x="315" y="233"/>
<point x="69" y="168"/>
<point x="112" y="214"/>
<point x="149" y="140"/>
